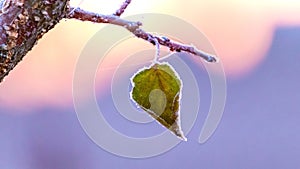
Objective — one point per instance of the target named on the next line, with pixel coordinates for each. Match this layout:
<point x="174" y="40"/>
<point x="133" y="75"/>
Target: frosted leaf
<point x="157" y="90"/>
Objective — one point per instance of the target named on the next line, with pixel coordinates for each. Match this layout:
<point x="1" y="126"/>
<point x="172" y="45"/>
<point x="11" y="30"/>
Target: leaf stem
<point x="157" y="52"/>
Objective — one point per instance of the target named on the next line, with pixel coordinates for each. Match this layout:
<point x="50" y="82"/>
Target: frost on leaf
<point x="157" y="90"/>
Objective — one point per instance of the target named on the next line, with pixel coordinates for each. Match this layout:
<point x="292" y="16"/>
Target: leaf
<point x="157" y="90"/>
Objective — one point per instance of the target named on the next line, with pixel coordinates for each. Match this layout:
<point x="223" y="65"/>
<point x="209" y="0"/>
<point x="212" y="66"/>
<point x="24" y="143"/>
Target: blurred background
<point x="258" y="43"/>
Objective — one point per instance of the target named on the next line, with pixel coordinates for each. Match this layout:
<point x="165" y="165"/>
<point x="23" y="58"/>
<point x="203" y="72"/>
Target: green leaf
<point x="157" y="90"/>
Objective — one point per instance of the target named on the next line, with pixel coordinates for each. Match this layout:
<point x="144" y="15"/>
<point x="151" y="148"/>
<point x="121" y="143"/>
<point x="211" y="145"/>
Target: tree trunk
<point x="22" y="23"/>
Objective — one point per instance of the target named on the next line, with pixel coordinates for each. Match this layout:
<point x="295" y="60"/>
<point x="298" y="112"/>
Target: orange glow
<point x="240" y="30"/>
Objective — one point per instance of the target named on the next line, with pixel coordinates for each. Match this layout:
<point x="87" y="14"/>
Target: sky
<point x="257" y="43"/>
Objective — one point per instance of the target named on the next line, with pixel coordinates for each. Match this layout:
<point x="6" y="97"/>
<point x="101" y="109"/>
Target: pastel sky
<point x="240" y="30"/>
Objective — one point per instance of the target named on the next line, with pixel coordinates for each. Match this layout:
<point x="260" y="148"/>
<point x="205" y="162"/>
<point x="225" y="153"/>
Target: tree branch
<point x="134" y="27"/>
<point x="24" y="22"/>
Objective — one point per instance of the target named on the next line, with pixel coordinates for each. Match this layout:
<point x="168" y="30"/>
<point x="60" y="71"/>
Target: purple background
<point x="260" y="127"/>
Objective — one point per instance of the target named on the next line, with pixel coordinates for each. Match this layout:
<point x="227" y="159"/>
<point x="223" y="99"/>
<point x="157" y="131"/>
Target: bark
<point x="22" y="23"/>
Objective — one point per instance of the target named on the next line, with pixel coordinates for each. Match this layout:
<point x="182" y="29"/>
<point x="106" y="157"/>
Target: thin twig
<point x="134" y="27"/>
<point x="121" y="10"/>
<point x="76" y="7"/>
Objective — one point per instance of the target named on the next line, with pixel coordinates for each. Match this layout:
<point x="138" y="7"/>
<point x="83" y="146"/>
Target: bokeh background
<point x="258" y="42"/>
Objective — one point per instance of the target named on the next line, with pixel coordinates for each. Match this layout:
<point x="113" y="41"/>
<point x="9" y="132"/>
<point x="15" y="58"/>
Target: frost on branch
<point x="24" y="22"/>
